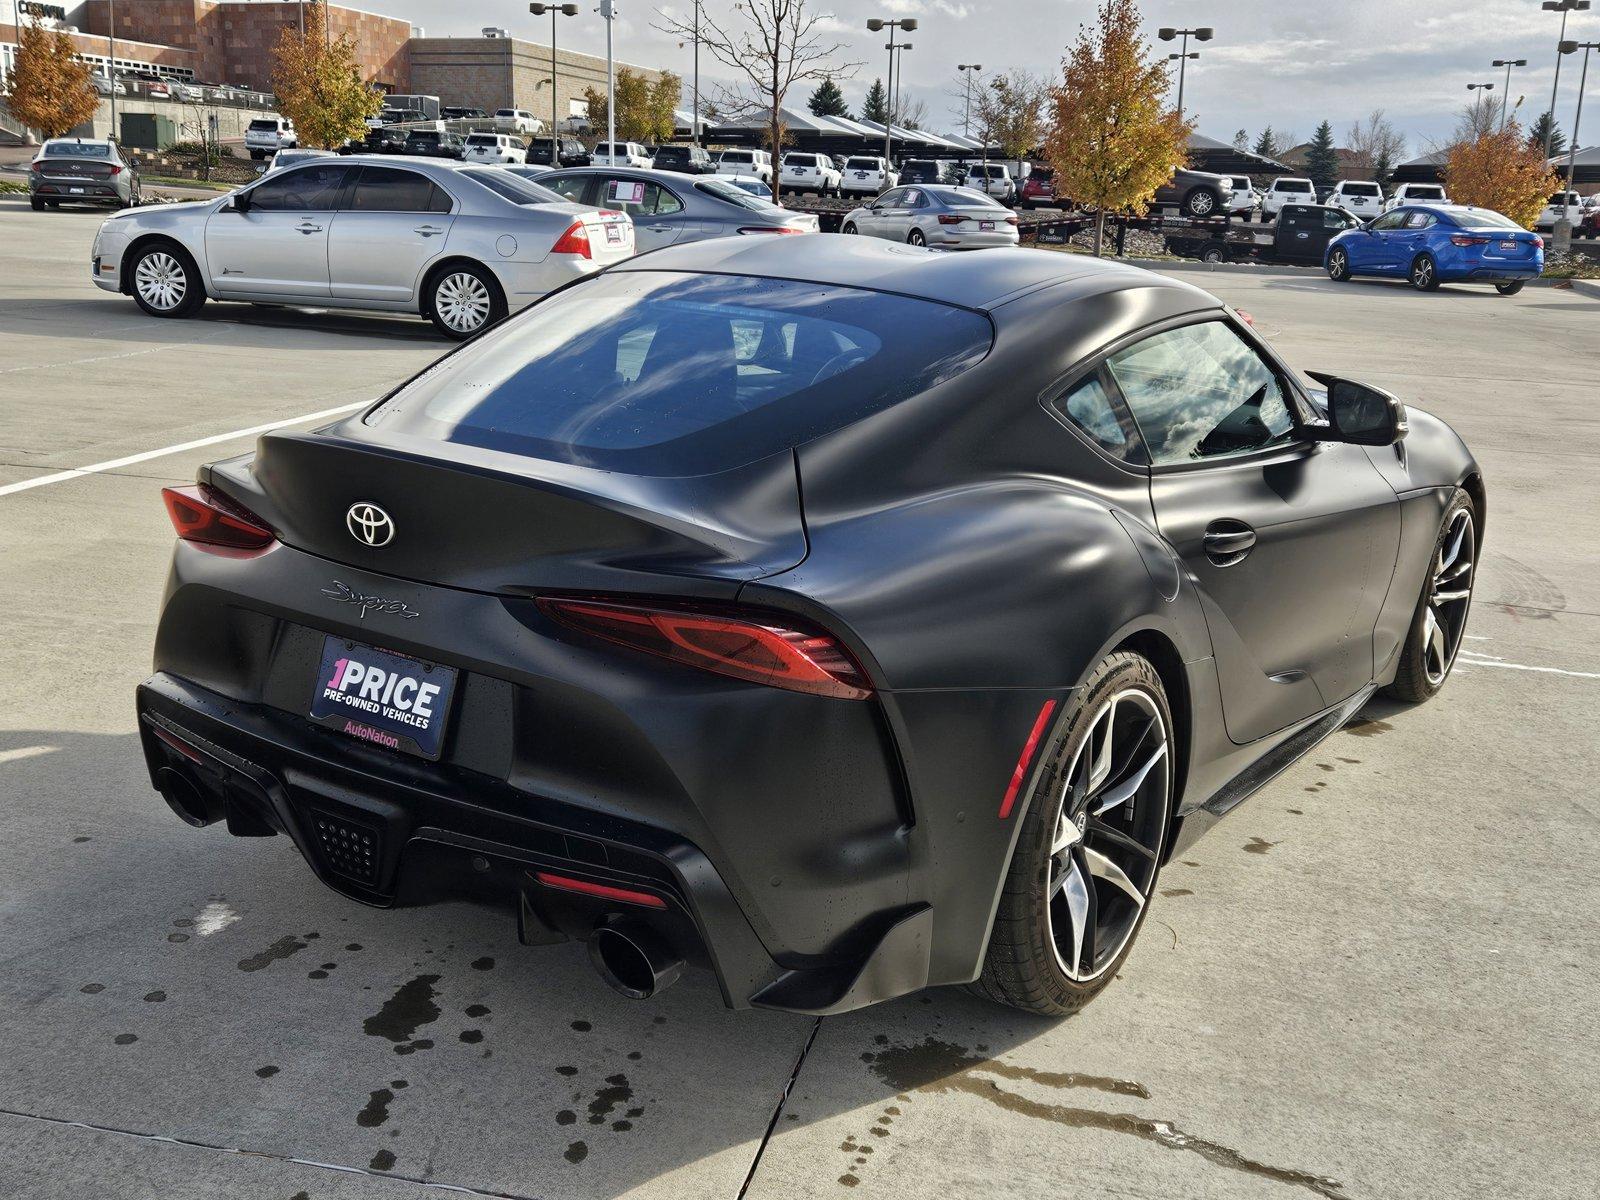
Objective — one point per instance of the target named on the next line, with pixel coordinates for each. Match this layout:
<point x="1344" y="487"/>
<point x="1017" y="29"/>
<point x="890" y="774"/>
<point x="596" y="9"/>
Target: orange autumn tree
<point x="1114" y="140"/>
<point x="1498" y="169"/>
<point x="49" y="90"/>
<point x="318" y="84"/>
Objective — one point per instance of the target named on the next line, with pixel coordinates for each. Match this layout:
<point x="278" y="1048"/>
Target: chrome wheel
<point x="1422" y="274"/>
<point x="1338" y="265"/>
<point x="462" y="301"/>
<point x="1449" y="597"/>
<point x="1110" y="822"/>
<point x="161" y="281"/>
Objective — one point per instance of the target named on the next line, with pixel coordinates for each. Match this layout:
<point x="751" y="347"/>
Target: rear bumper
<point x="77" y="191"/>
<point x="390" y="832"/>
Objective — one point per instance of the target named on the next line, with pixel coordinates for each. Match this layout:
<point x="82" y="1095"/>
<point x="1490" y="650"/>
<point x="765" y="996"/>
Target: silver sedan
<point x="668" y="207"/>
<point x="463" y="245"/>
<point x="945" y="218"/>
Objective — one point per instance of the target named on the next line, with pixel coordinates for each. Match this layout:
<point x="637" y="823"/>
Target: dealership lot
<point x="1376" y="978"/>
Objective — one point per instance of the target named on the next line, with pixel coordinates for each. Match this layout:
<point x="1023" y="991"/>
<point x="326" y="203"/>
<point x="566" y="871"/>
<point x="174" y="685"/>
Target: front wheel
<point x="166" y="283"/>
<point x="1211" y="254"/>
<point x="1440" y="621"/>
<point x="1510" y="287"/>
<point x="463" y="300"/>
<point x="1338" y="265"/>
<point x="849" y="229"/>
<point x="1090" y="846"/>
<point x="1425" y="273"/>
<point x="36" y="204"/>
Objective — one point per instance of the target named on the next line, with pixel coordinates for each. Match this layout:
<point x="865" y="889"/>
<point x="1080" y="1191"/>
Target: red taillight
<point x="204" y="515"/>
<point x="603" y="890"/>
<point x="756" y="647"/>
<point x="1538" y="242"/>
<point x="1467" y="239"/>
<point x="116" y="171"/>
<point x="38" y="165"/>
<point x="1025" y="759"/>
<point x="1012" y="219"/>
<point x="950" y="218"/>
<point x="574" y="241"/>
<point x="770" y="229"/>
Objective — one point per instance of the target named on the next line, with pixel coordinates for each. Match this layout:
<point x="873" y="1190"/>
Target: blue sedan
<point x="1439" y="243"/>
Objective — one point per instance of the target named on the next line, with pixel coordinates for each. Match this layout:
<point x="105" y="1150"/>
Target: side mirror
<point x="1358" y="414"/>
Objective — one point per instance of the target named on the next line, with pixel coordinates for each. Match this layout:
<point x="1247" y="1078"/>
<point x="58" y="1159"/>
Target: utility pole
<point x="1563" y="7"/>
<point x="608" y="10"/>
<point x="696" y="120"/>
<point x="111" y="51"/>
<point x="966" y="119"/>
<point x="1505" y="96"/>
<point x="1203" y="34"/>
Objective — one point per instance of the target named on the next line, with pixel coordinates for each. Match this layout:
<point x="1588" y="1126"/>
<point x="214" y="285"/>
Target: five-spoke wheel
<point x="1440" y="622"/>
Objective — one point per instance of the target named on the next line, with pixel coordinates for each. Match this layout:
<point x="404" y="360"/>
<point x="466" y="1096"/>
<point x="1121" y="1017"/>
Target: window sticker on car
<point x="625" y="191"/>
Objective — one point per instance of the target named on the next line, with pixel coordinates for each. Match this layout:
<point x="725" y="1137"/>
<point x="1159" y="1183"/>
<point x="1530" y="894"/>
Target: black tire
<point x="1022" y="966"/>
<point x="462" y="300"/>
<point x="172" y="287"/>
<point x="36" y="204"/>
<point x="1211" y="254"/>
<point x="1424" y="273"/>
<point x="1511" y="287"/>
<point x="916" y="239"/>
<point x="849" y="229"/>
<point x="1418" y="677"/>
<point x="1339" y="264"/>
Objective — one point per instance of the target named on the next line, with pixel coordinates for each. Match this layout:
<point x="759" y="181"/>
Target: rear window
<point x="965" y="197"/>
<point x="483" y="139"/>
<point x="665" y="373"/>
<point x="732" y="193"/>
<point x="1293" y="185"/>
<point x="513" y="187"/>
<point x="673" y="152"/>
<point x="76" y="150"/>
<point x="1483" y="218"/>
<point x="1426" y="192"/>
<point x="263" y="124"/>
<point x="800" y="160"/>
<point x="862" y="164"/>
<point x="736" y="156"/>
<point x="1360" y="189"/>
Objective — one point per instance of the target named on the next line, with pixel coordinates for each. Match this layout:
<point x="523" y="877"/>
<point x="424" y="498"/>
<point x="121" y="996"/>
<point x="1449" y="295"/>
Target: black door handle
<point x="1227" y="542"/>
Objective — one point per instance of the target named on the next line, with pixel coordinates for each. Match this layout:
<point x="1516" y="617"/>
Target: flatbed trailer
<point x="1299" y="236"/>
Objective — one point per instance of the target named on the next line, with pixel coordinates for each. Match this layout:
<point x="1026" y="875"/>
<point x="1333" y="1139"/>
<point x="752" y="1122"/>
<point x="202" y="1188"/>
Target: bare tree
<point x="1008" y="111"/>
<point x="1375" y="144"/>
<point x="769" y="46"/>
<point x="1477" y="119"/>
<point x="912" y="114"/>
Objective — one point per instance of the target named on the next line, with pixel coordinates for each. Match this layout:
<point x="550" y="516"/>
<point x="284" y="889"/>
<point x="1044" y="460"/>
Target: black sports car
<point x="843" y="617"/>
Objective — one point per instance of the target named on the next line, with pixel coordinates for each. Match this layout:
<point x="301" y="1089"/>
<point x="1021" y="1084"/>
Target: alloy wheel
<point x="1422" y="273"/>
<point x="1338" y="265"/>
<point x="462" y="301"/>
<point x="1449" y="597"/>
<point x="161" y="280"/>
<point x="1108" y="833"/>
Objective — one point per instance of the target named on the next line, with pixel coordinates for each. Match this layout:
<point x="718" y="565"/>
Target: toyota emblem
<point x="369" y="524"/>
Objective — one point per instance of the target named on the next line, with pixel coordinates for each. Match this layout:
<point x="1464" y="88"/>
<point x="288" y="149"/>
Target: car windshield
<point x="732" y="193"/>
<point x="76" y="150"/>
<point x="513" y="187"/>
<point x="666" y="373"/>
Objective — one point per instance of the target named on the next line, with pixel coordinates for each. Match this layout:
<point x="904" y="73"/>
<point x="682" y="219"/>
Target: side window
<point x="640" y="198"/>
<point x="890" y="199"/>
<point x="1095" y="413"/>
<point x="1421" y="220"/>
<point x="663" y="203"/>
<point x="385" y="189"/>
<point x="310" y="189"/>
<point x="1201" y="392"/>
<point x="911" y="199"/>
<point x="572" y="187"/>
<point x="1390" y="220"/>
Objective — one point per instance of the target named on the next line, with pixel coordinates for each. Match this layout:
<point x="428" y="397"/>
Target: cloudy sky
<point x="1287" y="63"/>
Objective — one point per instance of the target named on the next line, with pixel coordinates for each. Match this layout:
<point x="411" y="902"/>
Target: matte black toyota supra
<point x="839" y="616"/>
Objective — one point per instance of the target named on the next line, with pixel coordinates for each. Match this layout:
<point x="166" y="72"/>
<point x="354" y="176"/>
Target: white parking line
<point x="22" y="752"/>
<point x="1469" y="659"/>
<point x="130" y="460"/>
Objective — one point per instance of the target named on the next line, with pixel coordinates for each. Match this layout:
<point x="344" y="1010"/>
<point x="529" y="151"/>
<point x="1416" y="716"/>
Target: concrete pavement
<point x="1376" y="978"/>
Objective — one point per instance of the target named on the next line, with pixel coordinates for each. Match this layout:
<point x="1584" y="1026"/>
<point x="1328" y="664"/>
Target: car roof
<point x="980" y="280"/>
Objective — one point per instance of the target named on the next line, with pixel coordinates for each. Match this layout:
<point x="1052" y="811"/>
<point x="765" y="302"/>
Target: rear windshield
<point x="800" y="160"/>
<point x="736" y="156"/>
<point x="965" y="197"/>
<point x="76" y="150"/>
<point x="988" y="172"/>
<point x="673" y="152"/>
<point x="1426" y="192"/>
<point x="732" y="193"/>
<point x="1293" y="185"/>
<point x="516" y="188"/>
<point x="1360" y="189"/>
<point x="862" y="164"/>
<point x="263" y="124"/>
<point x="665" y="373"/>
<point x="1483" y="218"/>
<point x="483" y="139"/>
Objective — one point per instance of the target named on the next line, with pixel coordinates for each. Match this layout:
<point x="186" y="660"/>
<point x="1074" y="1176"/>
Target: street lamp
<point x="1204" y="34"/>
<point x="875" y="25"/>
<point x="565" y="10"/>
<point x="1505" y="96"/>
<point x="608" y="13"/>
<point x="1563" y="7"/>
<point x="1572" y="147"/>
<point x="966" y="120"/>
<point x="894" y="91"/>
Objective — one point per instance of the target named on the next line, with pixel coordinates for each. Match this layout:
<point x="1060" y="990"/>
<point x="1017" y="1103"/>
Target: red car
<point x="1589" y="225"/>
<point x="1038" y="189"/>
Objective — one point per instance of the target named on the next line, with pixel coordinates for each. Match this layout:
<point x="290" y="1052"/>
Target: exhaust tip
<point x="634" y="960"/>
<point x="183" y="797"/>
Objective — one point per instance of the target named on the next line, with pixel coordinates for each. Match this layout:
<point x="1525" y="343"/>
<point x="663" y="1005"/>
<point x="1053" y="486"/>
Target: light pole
<point x="608" y="13"/>
<point x="111" y="50"/>
<point x="696" y="119"/>
<point x="565" y="10"/>
<point x="1505" y="96"/>
<point x="876" y="25"/>
<point x="1203" y="34"/>
<point x="966" y="121"/>
<point x="1563" y="7"/>
<point x="1572" y="146"/>
<point x="899" y="72"/>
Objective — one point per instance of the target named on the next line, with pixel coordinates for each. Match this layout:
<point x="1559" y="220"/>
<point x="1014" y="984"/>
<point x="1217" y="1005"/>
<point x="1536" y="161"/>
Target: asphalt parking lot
<point x="1377" y="978"/>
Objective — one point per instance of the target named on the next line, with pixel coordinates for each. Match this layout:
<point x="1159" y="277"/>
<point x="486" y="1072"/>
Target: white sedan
<point x="936" y="216"/>
<point x="463" y="245"/>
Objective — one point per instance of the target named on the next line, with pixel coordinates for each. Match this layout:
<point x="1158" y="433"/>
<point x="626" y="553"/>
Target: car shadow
<point x="118" y="318"/>
<point x="185" y="983"/>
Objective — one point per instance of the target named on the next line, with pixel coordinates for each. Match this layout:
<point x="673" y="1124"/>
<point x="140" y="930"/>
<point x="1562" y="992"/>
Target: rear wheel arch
<point x="1473" y="486"/>
<point x="1162" y="654"/>
<point x="431" y="273"/>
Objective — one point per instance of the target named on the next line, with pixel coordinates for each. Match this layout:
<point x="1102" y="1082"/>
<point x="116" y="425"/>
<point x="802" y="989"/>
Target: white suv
<point x="1361" y="197"/>
<point x="265" y="136"/>
<point x="992" y="179"/>
<point x="755" y="163"/>
<point x="1287" y="190"/>
<point x="626" y="154"/>
<point x="501" y="148"/>
<point x="1243" y="199"/>
<point x="1557" y="208"/>
<point x="518" y="120"/>
<point x="810" y="173"/>
<point x="866" y="175"/>
<point x="1416" y="193"/>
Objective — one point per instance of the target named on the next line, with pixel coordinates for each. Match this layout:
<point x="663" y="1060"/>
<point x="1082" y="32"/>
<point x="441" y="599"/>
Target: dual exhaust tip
<point x="633" y="959"/>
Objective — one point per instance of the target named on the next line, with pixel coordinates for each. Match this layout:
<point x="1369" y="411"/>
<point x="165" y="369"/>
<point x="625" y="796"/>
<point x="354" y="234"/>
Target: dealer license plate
<point x="986" y="226"/>
<point x="387" y="699"/>
<point x="75" y="191"/>
<point x="1511" y="245"/>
